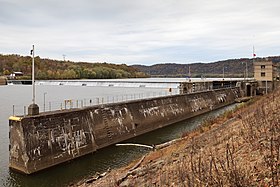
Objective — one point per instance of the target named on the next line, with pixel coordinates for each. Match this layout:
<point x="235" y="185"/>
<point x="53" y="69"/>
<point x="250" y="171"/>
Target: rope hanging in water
<point x="138" y="145"/>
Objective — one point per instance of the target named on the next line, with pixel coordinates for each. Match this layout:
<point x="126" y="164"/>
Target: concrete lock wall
<point x="3" y="80"/>
<point x="48" y="139"/>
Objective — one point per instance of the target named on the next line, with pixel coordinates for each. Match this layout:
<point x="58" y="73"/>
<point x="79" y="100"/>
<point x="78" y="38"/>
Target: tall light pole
<point x="33" y="109"/>
<point x="33" y="75"/>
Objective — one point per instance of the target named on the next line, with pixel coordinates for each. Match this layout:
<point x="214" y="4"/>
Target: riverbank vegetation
<point x="239" y="148"/>
<point x="54" y="69"/>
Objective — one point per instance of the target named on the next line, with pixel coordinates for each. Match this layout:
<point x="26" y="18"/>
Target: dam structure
<point x="144" y="83"/>
<point x="47" y="139"/>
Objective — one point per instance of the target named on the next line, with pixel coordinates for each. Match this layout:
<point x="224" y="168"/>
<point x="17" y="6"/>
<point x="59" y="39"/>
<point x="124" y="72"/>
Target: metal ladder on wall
<point x="109" y="132"/>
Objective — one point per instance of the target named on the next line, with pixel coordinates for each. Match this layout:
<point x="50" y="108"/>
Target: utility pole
<point x="33" y="109"/>
<point x="33" y="75"/>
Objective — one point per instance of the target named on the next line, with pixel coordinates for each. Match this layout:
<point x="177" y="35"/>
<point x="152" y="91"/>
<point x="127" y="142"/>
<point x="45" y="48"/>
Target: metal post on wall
<point x="223" y="72"/>
<point x="13" y="110"/>
<point x="247" y="70"/>
<point x="45" y="101"/>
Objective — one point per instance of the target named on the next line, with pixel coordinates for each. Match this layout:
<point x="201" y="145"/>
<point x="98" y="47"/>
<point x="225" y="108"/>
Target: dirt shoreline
<point x="240" y="148"/>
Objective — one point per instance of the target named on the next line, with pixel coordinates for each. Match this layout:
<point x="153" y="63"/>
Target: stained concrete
<point x="3" y="80"/>
<point x="41" y="141"/>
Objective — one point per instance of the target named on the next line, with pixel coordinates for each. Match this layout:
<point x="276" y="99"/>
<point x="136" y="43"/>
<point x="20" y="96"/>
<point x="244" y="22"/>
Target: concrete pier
<point x="41" y="141"/>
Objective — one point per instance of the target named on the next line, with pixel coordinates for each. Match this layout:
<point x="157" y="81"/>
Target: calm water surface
<point x="110" y="157"/>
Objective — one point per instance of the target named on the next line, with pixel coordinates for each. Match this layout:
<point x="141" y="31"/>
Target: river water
<point x="110" y="157"/>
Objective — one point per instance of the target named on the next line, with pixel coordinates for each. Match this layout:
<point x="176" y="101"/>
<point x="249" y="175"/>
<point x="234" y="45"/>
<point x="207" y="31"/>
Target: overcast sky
<point x="140" y="31"/>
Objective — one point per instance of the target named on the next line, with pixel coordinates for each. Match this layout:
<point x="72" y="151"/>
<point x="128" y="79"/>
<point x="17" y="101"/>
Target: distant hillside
<point x="54" y="69"/>
<point x="232" y="68"/>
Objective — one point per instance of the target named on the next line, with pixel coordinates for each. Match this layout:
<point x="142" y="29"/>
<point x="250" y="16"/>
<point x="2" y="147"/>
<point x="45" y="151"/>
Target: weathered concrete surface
<point x="3" y="80"/>
<point x="41" y="141"/>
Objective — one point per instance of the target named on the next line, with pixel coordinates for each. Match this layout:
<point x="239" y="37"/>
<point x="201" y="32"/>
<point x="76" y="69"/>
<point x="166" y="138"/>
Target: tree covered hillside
<point x="231" y="68"/>
<point x="54" y="69"/>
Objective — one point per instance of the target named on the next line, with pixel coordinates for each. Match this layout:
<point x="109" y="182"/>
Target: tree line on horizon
<point x="55" y="69"/>
<point x="227" y="68"/>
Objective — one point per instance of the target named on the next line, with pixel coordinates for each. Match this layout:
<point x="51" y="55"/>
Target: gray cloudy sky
<point x="140" y="31"/>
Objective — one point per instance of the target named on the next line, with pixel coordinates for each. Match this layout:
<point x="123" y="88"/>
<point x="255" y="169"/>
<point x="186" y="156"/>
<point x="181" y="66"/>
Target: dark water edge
<point x="109" y="157"/>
